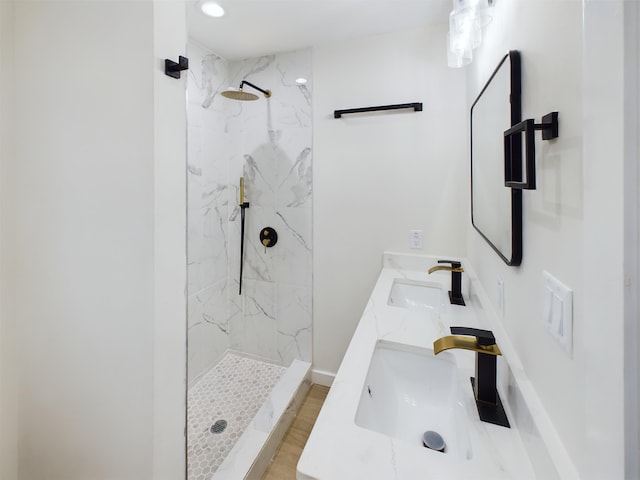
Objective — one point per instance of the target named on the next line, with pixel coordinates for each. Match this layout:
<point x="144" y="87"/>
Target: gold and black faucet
<point x="455" y="294"/>
<point x="483" y="343"/>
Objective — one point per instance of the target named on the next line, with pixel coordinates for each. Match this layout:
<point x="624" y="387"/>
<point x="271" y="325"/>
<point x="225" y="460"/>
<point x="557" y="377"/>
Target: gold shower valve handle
<point x="268" y="237"/>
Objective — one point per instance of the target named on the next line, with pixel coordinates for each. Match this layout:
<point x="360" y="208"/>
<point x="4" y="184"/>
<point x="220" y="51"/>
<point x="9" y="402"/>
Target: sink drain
<point x="434" y="441"/>
<point x="218" y="427"/>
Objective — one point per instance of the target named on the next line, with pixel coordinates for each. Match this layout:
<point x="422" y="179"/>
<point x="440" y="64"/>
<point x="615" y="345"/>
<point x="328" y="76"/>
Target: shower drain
<point x="218" y="427"/>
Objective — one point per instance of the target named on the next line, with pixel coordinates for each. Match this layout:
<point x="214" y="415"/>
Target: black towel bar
<point x="417" y="107"/>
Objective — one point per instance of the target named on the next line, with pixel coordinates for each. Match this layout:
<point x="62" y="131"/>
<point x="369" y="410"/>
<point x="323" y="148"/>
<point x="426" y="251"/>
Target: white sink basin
<point x="416" y="295"/>
<point x="408" y="390"/>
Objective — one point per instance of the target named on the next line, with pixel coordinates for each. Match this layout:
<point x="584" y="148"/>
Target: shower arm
<point x="266" y="93"/>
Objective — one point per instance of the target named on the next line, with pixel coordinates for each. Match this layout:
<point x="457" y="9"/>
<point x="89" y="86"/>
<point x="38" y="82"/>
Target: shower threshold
<point x="237" y="414"/>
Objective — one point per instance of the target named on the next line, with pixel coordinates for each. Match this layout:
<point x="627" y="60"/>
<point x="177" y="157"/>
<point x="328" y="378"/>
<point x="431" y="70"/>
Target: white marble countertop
<point x="339" y="449"/>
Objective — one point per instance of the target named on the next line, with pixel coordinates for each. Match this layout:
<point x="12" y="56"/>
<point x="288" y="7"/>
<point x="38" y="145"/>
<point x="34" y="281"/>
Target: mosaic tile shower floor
<point x="233" y="390"/>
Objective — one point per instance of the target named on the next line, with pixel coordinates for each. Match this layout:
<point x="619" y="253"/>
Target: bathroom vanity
<point x="391" y="389"/>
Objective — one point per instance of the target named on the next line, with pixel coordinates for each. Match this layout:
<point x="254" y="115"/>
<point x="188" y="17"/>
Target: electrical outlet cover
<point x="557" y="311"/>
<point x="500" y="297"/>
<point x="415" y="240"/>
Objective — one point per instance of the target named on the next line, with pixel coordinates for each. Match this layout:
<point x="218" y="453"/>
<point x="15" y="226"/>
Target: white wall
<point x="573" y="222"/>
<point x="376" y="177"/>
<point x="169" y="247"/>
<point x="100" y="243"/>
<point x="609" y="62"/>
<point x="632" y="237"/>
<point x="8" y="405"/>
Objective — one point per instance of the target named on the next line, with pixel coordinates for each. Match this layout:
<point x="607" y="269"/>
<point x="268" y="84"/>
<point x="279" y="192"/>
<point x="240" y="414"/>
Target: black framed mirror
<point x="496" y="211"/>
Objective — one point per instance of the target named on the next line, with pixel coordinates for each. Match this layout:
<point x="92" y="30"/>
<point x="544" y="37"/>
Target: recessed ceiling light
<point x="301" y="81"/>
<point x="212" y="9"/>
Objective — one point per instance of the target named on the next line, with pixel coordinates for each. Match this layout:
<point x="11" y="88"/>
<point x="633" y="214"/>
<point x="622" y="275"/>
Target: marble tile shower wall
<point x="269" y="142"/>
<point x="271" y="146"/>
<point x="208" y="211"/>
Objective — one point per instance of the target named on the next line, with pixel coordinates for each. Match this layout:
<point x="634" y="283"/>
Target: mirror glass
<point x="496" y="211"/>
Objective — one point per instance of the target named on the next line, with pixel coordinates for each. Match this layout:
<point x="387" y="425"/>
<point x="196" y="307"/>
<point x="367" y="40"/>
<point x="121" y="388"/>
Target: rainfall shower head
<point x="239" y="94"/>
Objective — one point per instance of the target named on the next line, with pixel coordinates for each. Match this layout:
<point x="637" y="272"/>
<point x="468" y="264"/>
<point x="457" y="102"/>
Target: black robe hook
<point x="173" y="69"/>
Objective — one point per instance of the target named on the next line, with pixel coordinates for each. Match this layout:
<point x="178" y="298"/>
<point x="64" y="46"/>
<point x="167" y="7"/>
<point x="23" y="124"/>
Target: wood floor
<point x="283" y="466"/>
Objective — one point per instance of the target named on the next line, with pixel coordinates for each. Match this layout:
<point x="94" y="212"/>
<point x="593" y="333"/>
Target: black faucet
<point x="455" y="294"/>
<point x="483" y="343"/>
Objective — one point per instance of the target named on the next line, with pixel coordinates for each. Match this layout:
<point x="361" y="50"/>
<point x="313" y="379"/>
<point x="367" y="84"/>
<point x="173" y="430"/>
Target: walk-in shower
<point x="248" y="355"/>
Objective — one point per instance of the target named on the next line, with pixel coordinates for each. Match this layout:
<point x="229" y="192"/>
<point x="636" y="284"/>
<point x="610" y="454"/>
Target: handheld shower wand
<point x="243" y="205"/>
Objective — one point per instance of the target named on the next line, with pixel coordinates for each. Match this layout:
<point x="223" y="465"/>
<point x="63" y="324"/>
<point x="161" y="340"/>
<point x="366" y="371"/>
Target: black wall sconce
<point x="513" y="150"/>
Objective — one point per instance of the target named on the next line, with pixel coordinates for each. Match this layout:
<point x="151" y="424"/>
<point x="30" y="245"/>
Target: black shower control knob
<point x="268" y="237"/>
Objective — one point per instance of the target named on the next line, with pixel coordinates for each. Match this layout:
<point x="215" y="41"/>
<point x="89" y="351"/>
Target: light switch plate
<point x="557" y="311"/>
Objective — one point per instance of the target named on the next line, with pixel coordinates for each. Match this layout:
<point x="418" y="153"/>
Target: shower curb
<point x="255" y="448"/>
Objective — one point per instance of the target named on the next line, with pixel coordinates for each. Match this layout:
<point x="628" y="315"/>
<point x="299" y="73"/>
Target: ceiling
<point x="251" y="28"/>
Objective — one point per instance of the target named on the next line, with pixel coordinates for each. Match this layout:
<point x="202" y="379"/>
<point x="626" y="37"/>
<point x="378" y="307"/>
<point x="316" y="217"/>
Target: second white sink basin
<point x="408" y="391"/>
<point x="416" y="295"/>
